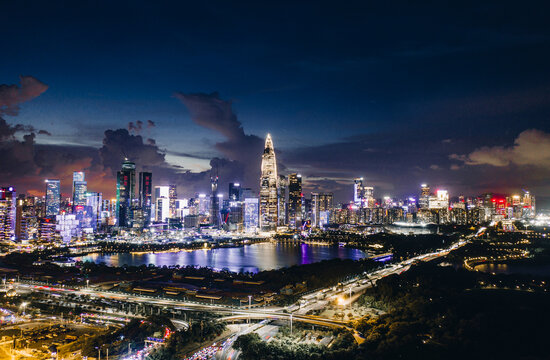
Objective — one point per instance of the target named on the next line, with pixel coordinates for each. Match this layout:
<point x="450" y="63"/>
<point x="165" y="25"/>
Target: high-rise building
<point x="358" y="191"/>
<point x="368" y="197"/>
<point x="251" y="214"/>
<point x="424" y="199"/>
<point x="173" y="197"/>
<point x="440" y="200"/>
<point x="22" y="215"/>
<point x="68" y="226"/>
<point x="162" y="203"/>
<point x="204" y="206"/>
<point x="295" y="200"/>
<point x="80" y="188"/>
<point x="234" y="192"/>
<point x="8" y="203"/>
<point x="145" y="191"/>
<point x="321" y="207"/>
<point x="215" y="216"/>
<point x="268" y="187"/>
<point x="125" y="193"/>
<point x="53" y="197"/>
<point x="94" y="202"/>
<point x="281" y="200"/>
<point x="529" y="210"/>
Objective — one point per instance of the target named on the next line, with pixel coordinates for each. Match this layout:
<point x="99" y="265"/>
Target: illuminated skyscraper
<point x="53" y="197"/>
<point x="251" y="220"/>
<point x="295" y="200"/>
<point x="215" y="217"/>
<point x="93" y="209"/>
<point x="368" y="197"/>
<point x="8" y="204"/>
<point x="125" y="193"/>
<point x="358" y="191"/>
<point x="234" y="192"/>
<point x="268" y="188"/>
<point x="440" y="200"/>
<point x="321" y="206"/>
<point x="80" y="188"/>
<point x="281" y="195"/>
<point x="145" y="191"/>
<point x="162" y="203"/>
<point x="424" y="199"/>
<point x="173" y="197"/>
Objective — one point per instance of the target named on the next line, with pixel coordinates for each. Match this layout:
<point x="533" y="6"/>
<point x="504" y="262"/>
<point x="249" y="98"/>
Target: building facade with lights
<point x="268" y="188"/>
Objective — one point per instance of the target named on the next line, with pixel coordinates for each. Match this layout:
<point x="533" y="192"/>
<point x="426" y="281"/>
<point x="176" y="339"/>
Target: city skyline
<point x="399" y="106"/>
<point x="271" y="180"/>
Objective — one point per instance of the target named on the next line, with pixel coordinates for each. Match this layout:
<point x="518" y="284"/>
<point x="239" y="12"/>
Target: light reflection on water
<point x="503" y="268"/>
<point x="251" y="258"/>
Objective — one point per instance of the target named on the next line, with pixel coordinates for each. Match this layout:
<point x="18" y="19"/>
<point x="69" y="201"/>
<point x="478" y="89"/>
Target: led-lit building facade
<point x="251" y="214"/>
<point x="424" y="199"/>
<point x="80" y="188"/>
<point x="53" y="197"/>
<point x="162" y="203"/>
<point x="68" y="226"/>
<point x="268" y="187"/>
<point x="94" y="201"/>
<point x="145" y="192"/>
<point x="295" y="201"/>
<point x="173" y="197"/>
<point x="321" y="204"/>
<point x="8" y="203"/>
<point x="281" y="200"/>
<point x="358" y="191"/>
<point x="125" y="193"/>
<point x="215" y="216"/>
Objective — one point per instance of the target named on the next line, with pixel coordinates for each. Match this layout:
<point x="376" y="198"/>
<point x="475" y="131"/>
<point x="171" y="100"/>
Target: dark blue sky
<point x="397" y="92"/>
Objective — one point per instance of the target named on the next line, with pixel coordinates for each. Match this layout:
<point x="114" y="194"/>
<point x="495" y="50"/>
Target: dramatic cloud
<point x="243" y="151"/>
<point x="531" y="147"/>
<point x="120" y="144"/>
<point x="12" y="95"/>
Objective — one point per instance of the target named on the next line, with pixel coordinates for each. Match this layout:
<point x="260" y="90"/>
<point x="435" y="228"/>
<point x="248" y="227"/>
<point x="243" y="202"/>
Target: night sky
<point x="457" y="96"/>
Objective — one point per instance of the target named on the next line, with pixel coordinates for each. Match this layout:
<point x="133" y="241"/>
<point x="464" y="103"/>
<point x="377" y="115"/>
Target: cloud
<point x="120" y="144"/>
<point x="243" y="151"/>
<point x="150" y="123"/>
<point x="530" y="148"/>
<point x="135" y="127"/>
<point x="44" y="132"/>
<point x="12" y="95"/>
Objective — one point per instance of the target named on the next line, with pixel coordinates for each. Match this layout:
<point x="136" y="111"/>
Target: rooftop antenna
<point x="124" y="154"/>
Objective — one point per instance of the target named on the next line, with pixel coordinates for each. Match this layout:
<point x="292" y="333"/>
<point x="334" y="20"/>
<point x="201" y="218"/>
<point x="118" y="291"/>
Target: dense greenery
<point x="316" y="275"/>
<point x="437" y="312"/>
<point x="253" y="348"/>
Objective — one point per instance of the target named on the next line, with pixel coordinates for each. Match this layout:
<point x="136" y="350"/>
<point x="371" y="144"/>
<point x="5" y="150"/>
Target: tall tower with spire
<point x="268" y="188"/>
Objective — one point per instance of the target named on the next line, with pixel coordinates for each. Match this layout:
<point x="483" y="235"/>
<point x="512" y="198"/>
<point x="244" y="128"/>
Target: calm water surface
<point x="503" y="268"/>
<point x="251" y="258"/>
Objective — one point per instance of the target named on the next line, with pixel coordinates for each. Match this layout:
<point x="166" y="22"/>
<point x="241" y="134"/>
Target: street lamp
<point x="23" y="305"/>
<point x="290" y="323"/>
<point x="249" y="306"/>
